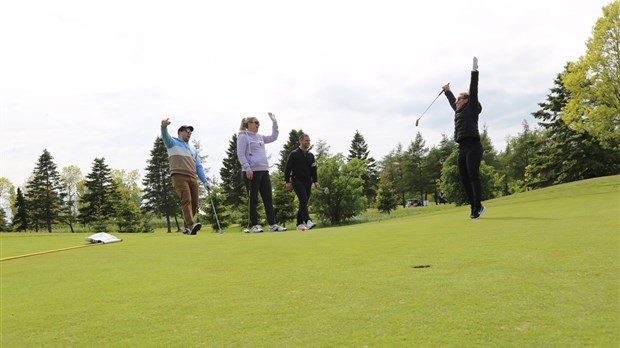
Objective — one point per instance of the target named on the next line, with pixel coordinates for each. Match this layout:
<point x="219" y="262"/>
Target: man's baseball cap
<point x="184" y="128"/>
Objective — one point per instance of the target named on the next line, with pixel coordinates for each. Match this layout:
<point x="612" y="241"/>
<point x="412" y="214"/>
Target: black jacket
<point x="301" y="166"/>
<point x="466" y="119"/>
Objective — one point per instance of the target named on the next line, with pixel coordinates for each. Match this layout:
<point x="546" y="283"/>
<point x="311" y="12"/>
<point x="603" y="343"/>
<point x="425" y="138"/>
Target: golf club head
<point x="417" y="122"/>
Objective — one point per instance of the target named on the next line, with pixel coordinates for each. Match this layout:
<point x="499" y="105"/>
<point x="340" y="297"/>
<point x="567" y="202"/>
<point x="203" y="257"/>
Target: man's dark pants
<point x="303" y="191"/>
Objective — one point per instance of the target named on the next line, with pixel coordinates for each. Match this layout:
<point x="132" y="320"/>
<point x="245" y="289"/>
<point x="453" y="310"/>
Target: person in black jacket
<point x="299" y="174"/>
<point x="467" y="109"/>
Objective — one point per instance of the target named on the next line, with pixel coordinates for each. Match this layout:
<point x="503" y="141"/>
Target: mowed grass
<point x="540" y="269"/>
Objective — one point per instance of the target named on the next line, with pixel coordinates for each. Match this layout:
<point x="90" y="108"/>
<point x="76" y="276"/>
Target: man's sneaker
<point x="310" y="224"/>
<point x="257" y="229"/>
<point x="301" y="227"/>
<point x="478" y="212"/>
<point x="195" y="228"/>
<point x="276" y="228"/>
<point x="187" y="231"/>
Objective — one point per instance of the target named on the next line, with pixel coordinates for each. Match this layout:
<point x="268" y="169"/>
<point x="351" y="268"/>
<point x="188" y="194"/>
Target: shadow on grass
<point x="518" y="218"/>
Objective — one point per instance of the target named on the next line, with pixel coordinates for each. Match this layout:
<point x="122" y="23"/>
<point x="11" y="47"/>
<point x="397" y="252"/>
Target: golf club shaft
<point x="433" y="102"/>
<point x="219" y="228"/>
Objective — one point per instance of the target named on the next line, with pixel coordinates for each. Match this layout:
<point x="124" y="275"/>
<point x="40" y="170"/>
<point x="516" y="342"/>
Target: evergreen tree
<point x="284" y="202"/>
<point x="20" y="219"/>
<point x="359" y="149"/>
<point x="159" y="196"/>
<point x="413" y="161"/>
<point x="223" y="211"/>
<point x="489" y="155"/>
<point x="394" y="166"/>
<point x="434" y="161"/>
<point x="564" y="154"/>
<point x="99" y="204"/>
<point x="233" y="191"/>
<point x="387" y="198"/>
<point x="291" y="144"/>
<point x="202" y="158"/>
<point x="4" y="226"/>
<point x="517" y="157"/>
<point x="321" y="151"/>
<point x="44" y="195"/>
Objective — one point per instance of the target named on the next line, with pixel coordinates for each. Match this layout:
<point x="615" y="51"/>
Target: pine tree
<point x="489" y="155"/>
<point x="387" y="198"/>
<point x="45" y="197"/>
<point x="223" y="211"/>
<point x="283" y="200"/>
<point x="159" y="196"/>
<point x="321" y="151"/>
<point x="414" y="159"/>
<point x="359" y="149"/>
<point x="291" y="144"/>
<point x="99" y="204"/>
<point x="4" y="226"/>
<point x="518" y="156"/>
<point x="565" y="154"/>
<point x="233" y="191"/>
<point x="20" y="219"/>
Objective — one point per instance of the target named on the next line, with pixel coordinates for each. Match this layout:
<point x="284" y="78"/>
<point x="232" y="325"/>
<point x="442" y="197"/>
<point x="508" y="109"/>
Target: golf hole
<point x="421" y="266"/>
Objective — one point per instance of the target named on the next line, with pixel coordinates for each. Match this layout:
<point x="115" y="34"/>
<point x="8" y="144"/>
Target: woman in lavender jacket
<point x="253" y="158"/>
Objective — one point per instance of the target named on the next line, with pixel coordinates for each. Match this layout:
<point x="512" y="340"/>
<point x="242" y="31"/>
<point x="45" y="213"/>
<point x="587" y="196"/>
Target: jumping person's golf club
<point x="219" y="228"/>
<point x="418" y="120"/>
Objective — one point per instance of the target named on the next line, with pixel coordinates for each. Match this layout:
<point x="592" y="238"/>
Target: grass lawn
<point x="539" y="269"/>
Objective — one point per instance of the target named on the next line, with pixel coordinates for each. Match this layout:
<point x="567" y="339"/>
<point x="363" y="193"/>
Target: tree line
<point x="577" y="137"/>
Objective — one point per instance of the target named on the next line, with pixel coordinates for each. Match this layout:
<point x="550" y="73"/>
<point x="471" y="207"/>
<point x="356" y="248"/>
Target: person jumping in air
<point x="467" y="109"/>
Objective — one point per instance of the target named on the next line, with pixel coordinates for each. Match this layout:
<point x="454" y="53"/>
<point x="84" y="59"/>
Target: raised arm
<point x="473" y="83"/>
<point x="449" y="95"/>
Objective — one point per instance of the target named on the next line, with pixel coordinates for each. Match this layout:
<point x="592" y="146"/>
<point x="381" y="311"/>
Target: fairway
<point x="538" y="269"/>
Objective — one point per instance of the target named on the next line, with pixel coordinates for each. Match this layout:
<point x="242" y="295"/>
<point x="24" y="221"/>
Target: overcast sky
<point x="90" y="79"/>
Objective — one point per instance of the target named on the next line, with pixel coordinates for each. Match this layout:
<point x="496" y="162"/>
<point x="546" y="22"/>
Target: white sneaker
<point x="257" y="229"/>
<point x="310" y="224"/>
<point x="301" y="227"/>
<point x="276" y="228"/>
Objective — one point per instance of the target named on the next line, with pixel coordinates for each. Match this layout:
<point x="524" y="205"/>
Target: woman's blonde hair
<point x="245" y="121"/>
<point x="464" y="95"/>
